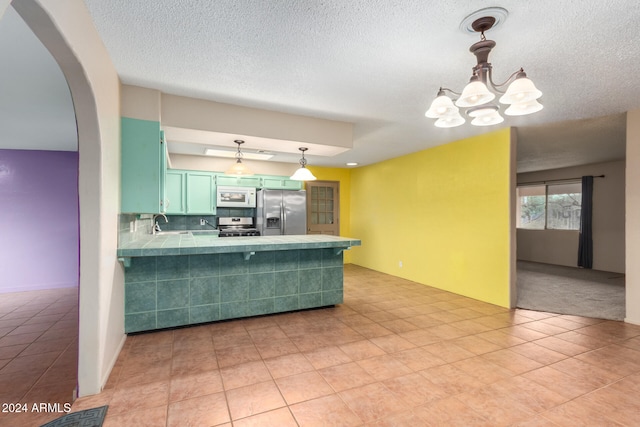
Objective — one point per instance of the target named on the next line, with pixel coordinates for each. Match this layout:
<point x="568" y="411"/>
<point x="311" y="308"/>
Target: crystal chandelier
<point x="521" y="94"/>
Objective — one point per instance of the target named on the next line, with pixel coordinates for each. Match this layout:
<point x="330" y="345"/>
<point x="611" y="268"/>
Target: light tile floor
<point x="38" y="355"/>
<point x="396" y="353"/>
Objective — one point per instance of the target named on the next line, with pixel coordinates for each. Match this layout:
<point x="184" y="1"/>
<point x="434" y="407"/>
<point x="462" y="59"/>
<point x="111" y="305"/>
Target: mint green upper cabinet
<point x="238" y="181"/>
<point x="175" y="189"/>
<point x="200" y="193"/>
<point x="281" y="183"/>
<point x="143" y="163"/>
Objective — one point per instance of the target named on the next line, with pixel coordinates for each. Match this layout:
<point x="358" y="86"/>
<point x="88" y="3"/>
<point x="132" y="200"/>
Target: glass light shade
<point x="475" y="93"/>
<point x="303" y="174"/>
<point x="523" y="108"/>
<point x="486" y="117"/>
<point x="441" y="106"/>
<point x="520" y="90"/>
<point x="450" y="121"/>
<point x="238" y="168"/>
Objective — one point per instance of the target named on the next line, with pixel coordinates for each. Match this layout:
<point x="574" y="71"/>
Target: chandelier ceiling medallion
<point x="521" y="95"/>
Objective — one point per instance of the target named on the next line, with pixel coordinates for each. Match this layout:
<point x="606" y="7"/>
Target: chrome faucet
<point x="156" y="226"/>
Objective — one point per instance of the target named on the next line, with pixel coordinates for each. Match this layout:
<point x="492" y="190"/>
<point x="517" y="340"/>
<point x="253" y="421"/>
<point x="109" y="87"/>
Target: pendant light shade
<point x="450" y="121"/>
<point x="303" y="174"/>
<point x="475" y="93"/>
<point x="520" y="90"/>
<point x="523" y="108"/>
<point x="441" y="106"/>
<point x="486" y="116"/>
<point x="238" y="168"/>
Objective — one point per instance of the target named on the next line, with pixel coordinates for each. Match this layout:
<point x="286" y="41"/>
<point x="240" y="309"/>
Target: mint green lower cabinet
<point x="168" y="291"/>
<point x="200" y="193"/>
<point x="175" y="188"/>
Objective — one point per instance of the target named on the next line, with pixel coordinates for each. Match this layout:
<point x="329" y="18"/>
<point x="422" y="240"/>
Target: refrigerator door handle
<point x="283" y="214"/>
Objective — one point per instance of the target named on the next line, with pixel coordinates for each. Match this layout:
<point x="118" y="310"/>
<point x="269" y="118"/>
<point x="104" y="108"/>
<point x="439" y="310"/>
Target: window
<point x="550" y="206"/>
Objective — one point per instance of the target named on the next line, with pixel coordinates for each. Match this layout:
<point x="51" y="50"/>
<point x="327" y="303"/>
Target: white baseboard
<point x="112" y="363"/>
<point x="633" y="321"/>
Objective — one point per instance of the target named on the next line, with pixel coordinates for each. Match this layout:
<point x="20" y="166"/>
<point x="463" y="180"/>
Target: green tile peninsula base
<point x="169" y="291"/>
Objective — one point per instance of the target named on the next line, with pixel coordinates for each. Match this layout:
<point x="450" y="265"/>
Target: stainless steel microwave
<point x="236" y="197"/>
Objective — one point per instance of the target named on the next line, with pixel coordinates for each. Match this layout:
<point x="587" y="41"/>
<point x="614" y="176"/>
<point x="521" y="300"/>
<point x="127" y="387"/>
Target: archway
<point x="66" y="30"/>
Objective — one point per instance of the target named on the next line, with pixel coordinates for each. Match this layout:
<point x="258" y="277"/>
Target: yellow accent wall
<point x="343" y="176"/>
<point x="443" y="212"/>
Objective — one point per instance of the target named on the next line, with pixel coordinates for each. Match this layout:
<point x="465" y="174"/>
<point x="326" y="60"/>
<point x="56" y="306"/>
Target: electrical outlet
<point x="203" y="221"/>
<point x="400" y="264"/>
<point x="132" y="226"/>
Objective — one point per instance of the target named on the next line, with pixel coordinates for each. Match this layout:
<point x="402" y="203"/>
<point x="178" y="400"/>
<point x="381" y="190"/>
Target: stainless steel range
<point x="237" y="226"/>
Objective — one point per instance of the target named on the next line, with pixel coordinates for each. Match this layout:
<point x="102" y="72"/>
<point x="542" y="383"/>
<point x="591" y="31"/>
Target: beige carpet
<point x="567" y="290"/>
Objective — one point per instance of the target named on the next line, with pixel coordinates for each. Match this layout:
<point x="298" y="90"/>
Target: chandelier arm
<point x="451" y="90"/>
<point x="509" y="80"/>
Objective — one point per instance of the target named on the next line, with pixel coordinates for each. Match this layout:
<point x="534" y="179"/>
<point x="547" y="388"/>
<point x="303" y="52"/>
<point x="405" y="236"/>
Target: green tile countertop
<point x="189" y="244"/>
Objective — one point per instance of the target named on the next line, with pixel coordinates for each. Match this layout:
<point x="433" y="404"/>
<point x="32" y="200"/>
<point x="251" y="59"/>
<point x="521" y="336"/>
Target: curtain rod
<point x="555" y="180"/>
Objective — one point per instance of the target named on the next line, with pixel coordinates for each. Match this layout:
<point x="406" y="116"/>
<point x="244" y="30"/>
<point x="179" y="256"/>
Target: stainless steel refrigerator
<point x="281" y="212"/>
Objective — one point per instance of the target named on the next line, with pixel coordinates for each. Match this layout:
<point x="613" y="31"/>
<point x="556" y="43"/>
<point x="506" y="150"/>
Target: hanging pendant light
<point x="238" y="168"/>
<point x="303" y="174"/>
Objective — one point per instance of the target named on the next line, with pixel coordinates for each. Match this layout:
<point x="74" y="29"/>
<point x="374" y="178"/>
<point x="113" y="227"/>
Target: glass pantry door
<point x="323" y="207"/>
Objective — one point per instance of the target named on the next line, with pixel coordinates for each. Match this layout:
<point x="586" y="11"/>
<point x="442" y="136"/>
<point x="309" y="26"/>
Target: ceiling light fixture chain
<point x="521" y="95"/>
<point x="239" y="153"/>
<point x="238" y="168"/>
<point x="303" y="161"/>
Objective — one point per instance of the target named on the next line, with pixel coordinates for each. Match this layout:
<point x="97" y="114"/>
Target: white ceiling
<point x="379" y="64"/>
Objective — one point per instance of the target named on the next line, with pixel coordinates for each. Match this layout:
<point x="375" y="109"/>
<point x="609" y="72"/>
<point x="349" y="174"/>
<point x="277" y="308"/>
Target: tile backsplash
<point x="142" y="226"/>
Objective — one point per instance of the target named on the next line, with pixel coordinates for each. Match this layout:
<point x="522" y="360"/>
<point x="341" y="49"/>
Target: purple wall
<point x="39" y="235"/>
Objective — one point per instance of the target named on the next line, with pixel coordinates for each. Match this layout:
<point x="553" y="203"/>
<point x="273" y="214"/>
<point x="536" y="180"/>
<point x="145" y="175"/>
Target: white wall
<point x="67" y="31"/>
<point x="191" y="113"/>
<point x="633" y="218"/>
<point x="561" y="246"/>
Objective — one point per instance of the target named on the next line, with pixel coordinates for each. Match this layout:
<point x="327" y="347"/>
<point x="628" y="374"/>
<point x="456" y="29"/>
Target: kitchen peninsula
<point x="183" y="279"/>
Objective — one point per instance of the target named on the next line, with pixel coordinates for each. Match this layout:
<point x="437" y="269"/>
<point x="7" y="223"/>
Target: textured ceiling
<point x="378" y="64"/>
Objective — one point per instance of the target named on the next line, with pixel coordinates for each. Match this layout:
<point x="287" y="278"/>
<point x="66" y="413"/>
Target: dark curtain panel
<point x="585" y="242"/>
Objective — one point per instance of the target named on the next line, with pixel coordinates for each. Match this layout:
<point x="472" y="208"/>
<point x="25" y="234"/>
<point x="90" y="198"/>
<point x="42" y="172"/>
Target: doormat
<point x="93" y="417"/>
